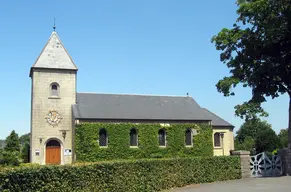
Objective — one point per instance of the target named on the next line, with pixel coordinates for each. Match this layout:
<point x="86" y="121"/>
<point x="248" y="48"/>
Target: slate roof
<point x="142" y="107"/>
<point x="54" y="55"/>
<point x="137" y="107"/>
<point x="216" y="121"/>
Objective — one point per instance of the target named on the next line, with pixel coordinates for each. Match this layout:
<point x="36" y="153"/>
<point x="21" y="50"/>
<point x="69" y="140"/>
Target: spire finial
<point x="54" y="27"/>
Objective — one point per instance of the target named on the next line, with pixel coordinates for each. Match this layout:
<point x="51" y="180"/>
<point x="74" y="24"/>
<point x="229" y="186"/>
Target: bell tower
<point x="53" y="92"/>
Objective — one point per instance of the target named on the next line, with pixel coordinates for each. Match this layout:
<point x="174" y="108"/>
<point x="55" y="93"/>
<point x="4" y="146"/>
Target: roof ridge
<point x="65" y="48"/>
<point x="131" y="94"/>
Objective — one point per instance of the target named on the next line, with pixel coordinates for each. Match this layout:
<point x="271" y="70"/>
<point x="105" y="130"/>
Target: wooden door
<point x="53" y="155"/>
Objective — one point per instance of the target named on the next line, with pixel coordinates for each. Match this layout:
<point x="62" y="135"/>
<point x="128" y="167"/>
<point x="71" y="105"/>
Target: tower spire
<point x="54" y="27"/>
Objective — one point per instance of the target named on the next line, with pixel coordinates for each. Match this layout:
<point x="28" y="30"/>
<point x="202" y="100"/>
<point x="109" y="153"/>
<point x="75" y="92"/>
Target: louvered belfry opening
<point x="103" y="137"/>
<point x="188" y="137"/>
<point x="162" y="137"/>
<point x="133" y="137"/>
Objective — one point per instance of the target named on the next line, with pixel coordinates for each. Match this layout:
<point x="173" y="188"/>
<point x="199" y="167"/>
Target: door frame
<point x="61" y="150"/>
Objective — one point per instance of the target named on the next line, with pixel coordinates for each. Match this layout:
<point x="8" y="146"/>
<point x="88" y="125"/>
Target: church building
<point x="57" y="107"/>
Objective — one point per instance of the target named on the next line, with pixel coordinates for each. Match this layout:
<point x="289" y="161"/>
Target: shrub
<point x="87" y="147"/>
<point x="126" y="175"/>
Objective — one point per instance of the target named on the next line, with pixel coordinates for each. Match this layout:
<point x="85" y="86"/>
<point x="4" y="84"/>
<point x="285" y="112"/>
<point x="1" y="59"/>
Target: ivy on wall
<point x="87" y="146"/>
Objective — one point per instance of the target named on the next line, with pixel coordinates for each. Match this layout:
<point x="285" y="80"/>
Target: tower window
<point x="55" y="90"/>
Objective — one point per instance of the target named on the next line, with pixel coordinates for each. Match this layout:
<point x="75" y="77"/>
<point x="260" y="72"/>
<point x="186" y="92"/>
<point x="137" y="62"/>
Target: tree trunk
<point x="289" y="124"/>
<point x="288" y="157"/>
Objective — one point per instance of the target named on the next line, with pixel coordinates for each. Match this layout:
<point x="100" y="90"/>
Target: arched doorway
<point x="53" y="152"/>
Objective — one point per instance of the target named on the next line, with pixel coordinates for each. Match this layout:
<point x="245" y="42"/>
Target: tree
<point x="10" y="158"/>
<point x="257" y="134"/>
<point x="12" y="142"/>
<point x="251" y="128"/>
<point x="23" y="139"/>
<point x="248" y="144"/>
<point x="266" y="141"/>
<point x="25" y="153"/>
<point x="11" y="153"/>
<point x="257" y="50"/>
<point x="2" y="144"/>
<point x="25" y="147"/>
<point x="283" y="137"/>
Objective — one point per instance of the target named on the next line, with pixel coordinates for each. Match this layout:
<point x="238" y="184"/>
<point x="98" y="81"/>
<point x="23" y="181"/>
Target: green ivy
<point x="125" y="175"/>
<point x="87" y="147"/>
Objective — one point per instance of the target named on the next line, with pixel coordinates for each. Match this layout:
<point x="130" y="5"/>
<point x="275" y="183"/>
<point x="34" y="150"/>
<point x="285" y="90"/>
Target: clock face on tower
<point x="53" y="118"/>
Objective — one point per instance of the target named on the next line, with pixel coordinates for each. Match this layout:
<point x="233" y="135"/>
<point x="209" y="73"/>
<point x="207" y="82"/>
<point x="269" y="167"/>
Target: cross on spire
<point x="54" y="27"/>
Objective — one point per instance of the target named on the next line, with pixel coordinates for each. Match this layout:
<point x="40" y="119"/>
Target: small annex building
<point x="56" y="108"/>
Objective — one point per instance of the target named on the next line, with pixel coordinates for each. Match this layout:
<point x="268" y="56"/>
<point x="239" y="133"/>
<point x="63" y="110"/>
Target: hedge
<point x="87" y="146"/>
<point x="127" y="175"/>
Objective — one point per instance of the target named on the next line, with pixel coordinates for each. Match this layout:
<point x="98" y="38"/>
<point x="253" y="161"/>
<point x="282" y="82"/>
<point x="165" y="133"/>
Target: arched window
<point x="188" y="137"/>
<point x="217" y="142"/>
<point x="55" y="90"/>
<point x="103" y="139"/>
<point x="133" y="137"/>
<point x="162" y="137"/>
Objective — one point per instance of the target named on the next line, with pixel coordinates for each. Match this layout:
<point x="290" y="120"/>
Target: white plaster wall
<point x="228" y="141"/>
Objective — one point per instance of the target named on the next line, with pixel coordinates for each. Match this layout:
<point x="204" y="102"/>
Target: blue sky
<point x="159" y="47"/>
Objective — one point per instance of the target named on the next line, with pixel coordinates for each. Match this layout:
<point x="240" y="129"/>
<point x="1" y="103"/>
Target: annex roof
<point x="216" y="120"/>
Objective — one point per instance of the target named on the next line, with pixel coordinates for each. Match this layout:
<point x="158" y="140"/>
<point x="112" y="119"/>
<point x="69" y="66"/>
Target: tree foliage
<point x="252" y="128"/>
<point x="267" y="141"/>
<point x="24" y="139"/>
<point x="283" y="137"/>
<point x="258" y="135"/>
<point x="248" y="144"/>
<point x="25" y="147"/>
<point x="25" y="153"/>
<point x="12" y="142"/>
<point x="10" y="158"/>
<point x="11" y="153"/>
<point x="2" y="144"/>
<point x="257" y="50"/>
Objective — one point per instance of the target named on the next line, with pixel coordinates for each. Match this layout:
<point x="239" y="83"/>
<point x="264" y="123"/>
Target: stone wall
<point x="285" y="155"/>
<point x="42" y="103"/>
<point x="245" y="162"/>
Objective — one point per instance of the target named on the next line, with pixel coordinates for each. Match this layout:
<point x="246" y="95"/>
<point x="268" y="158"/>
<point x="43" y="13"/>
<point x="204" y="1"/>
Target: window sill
<point x="54" y="97"/>
<point x="162" y="147"/>
<point x="188" y="146"/>
<point x="218" y="147"/>
<point x="133" y="147"/>
<point x="103" y="147"/>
